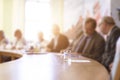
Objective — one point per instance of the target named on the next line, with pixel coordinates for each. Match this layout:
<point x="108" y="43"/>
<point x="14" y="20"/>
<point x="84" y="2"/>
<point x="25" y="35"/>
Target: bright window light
<point x="37" y="18"/>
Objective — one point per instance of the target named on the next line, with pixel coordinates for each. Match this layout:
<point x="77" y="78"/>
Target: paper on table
<point x="71" y="60"/>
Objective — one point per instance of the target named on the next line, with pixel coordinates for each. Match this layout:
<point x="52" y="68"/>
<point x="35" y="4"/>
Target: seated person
<point x="19" y="42"/>
<point x="90" y="43"/>
<point x="73" y="42"/>
<point x="116" y="64"/>
<point x="3" y="44"/>
<point x="59" y="42"/>
<point x="3" y="40"/>
<point x="40" y="45"/>
<point x="107" y="27"/>
<point x="41" y="41"/>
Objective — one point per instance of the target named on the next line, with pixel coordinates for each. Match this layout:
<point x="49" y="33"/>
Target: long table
<point x="52" y="66"/>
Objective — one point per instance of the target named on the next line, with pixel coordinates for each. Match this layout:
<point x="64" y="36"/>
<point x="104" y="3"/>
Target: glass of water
<point x="67" y="55"/>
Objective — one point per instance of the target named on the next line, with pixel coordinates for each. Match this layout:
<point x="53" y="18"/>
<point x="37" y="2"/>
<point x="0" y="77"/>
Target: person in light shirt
<point x="3" y="44"/>
<point x="41" y="41"/>
<point x="40" y="45"/>
<point x="19" y="42"/>
<point x="3" y="40"/>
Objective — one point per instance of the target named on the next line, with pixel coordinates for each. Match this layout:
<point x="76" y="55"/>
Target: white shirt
<point x="19" y="43"/>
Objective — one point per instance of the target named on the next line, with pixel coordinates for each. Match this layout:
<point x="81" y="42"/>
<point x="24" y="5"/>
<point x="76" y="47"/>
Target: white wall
<point x="18" y="15"/>
<point x="11" y="16"/>
<point x="1" y="14"/>
<point x="57" y="12"/>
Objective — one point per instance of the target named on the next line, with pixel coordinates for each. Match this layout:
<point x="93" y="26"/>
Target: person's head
<point x="40" y="36"/>
<point x="55" y="29"/>
<point x="18" y="34"/>
<point x="89" y="26"/>
<point x="106" y="24"/>
<point x="2" y="36"/>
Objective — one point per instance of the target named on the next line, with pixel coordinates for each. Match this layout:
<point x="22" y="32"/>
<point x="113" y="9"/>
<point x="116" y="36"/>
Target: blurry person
<point x="41" y="41"/>
<point x="90" y="43"/>
<point x="3" y="40"/>
<point x="3" y="43"/>
<point x="39" y="45"/>
<point x="108" y="28"/>
<point x="59" y="41"/>
<point x="19" y="42"/>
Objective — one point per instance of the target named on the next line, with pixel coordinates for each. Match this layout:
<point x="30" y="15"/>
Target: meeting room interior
<point x="59" y="39"/>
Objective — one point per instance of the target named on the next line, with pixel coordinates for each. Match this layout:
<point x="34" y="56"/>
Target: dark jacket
<point x="110" y="48"/>
<point x="61" y="43"/>
<point x="93" y="48"/>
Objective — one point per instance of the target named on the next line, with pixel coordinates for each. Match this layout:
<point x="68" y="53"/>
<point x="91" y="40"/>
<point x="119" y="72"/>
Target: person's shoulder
<point x="116" y="29"/>
<point x="98" y="36"/>
<point x="62" y="35"/>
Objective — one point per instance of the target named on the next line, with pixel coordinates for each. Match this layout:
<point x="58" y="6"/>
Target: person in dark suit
<point x="59" y="42"/>
<point x="107" y="27"/>
<point x="90" y="43"/>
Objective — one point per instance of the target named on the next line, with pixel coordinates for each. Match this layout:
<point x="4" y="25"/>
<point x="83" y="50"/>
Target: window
<point x="37" y="18"/>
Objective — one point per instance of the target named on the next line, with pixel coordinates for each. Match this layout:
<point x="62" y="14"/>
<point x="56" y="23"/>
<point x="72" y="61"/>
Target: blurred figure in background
<point x="3" y="44"/>
<point x="108" y="28"/>
<point x="3" y="40"/>
<point x="19" y="42"/>
<point x="39" y="45"/>
<point x="42" y="43"/>
<point x="59" y="41"/>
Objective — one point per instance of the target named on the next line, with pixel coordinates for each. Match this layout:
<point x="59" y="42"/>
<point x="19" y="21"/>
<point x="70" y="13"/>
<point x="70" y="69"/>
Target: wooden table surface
<point x="51" y="66"/>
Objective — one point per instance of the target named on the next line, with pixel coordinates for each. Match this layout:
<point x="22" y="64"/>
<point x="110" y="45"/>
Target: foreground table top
<point x="50" y="66"/>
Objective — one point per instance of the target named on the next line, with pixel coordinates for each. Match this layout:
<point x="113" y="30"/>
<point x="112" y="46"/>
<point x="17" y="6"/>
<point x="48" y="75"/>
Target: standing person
<point x="90" y="43"/>
<point x="59" y="42"/>
<point x="19" y="42"/>
<point x="108" y="27"/>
